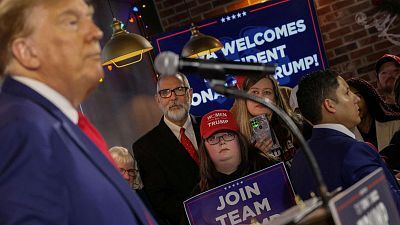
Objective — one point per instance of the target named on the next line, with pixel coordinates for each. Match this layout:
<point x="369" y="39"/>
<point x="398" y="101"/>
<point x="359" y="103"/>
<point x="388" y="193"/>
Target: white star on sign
<point x="244" y="13"/>
<point x="238" y="15"/>
<point x="233" y="16"/>
<point x="223" y="19"/>
<point x="228" y="18"/>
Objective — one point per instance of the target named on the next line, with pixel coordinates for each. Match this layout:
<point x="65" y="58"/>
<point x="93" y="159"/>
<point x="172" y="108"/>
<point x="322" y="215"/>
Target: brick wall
<point x="351" y="48"/>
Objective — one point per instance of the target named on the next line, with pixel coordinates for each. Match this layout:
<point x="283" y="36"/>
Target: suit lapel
<point x="102" y="163"/>
<point x="196" y="128"/>
<point x="89" y="149"/>
<point x="168" y="137"/>
<point x="174" y="150"/>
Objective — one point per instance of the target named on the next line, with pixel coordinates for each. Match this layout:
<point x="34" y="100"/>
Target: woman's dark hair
<point x="208" y="172"/>
<point x="377" y="107"/>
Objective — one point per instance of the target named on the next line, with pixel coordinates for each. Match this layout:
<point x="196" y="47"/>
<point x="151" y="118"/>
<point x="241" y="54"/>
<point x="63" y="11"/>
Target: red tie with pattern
<point x="189" y="146"/>
<point x="95" y="136"/>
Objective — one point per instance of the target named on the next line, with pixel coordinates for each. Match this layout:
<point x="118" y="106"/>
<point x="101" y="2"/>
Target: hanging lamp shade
<point x="123" y="45"/>
<point x="200" y="44"/>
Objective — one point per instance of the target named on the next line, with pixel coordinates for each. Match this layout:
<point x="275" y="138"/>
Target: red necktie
<point x="189" y="146"/>
<point x="95" y="136"/>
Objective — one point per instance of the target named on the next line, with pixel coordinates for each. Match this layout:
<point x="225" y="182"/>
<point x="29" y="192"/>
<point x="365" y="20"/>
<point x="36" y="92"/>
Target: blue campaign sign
<point x="260" y="197"/>
<point x="367" y="202"/>
<point x="281" y="32"/>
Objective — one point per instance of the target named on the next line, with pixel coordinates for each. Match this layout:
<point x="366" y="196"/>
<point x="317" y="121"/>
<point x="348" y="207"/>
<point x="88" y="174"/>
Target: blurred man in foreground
<point x="51" y="171"/>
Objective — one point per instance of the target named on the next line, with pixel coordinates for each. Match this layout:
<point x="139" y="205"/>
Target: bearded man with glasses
<point x="167" y="155"/>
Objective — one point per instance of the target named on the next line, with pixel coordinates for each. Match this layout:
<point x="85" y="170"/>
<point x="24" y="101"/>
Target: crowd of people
<point x="56" y="168"/>
<point x="350" y="117"/>
<point x="346" y="123"/>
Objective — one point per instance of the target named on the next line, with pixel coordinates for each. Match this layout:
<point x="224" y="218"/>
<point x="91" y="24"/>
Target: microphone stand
<point x="218" y="86"/>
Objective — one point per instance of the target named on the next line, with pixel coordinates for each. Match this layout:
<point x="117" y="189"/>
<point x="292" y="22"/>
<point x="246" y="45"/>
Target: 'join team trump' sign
<point x="281" y="32"/>
<point x="259" y="197"/>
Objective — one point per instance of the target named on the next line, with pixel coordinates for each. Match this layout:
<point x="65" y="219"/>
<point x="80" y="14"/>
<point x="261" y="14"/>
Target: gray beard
<point x="176" y="115"/>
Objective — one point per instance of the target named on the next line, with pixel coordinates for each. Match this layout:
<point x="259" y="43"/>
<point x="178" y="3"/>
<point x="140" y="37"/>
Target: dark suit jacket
<point x="343" y="161"/>
<point x="51" y="173"/>
<point x="391" y="153"/>
<point x="168" y="172"/>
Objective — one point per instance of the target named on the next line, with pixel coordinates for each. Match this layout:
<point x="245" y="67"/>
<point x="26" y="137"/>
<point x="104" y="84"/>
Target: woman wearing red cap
<point x="224" y="152"/>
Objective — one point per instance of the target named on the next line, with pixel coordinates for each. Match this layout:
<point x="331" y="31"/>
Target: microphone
<point x="169" y="63"/>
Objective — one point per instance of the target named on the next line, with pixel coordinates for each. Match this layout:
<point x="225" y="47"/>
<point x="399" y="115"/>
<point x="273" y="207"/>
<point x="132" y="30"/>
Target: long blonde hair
<point x="243" y="116"/>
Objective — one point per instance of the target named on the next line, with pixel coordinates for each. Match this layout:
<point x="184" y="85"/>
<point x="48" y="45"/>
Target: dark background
<point x="123" y="106"/>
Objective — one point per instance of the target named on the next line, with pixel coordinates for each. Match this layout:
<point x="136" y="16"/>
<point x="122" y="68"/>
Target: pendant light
<point x="123" y="45"/>
<point x="199" y="44"/>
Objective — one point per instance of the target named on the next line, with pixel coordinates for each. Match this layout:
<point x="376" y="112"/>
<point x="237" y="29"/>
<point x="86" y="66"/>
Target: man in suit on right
<point x="325" y="99"/>
<point x="167" y="155"/>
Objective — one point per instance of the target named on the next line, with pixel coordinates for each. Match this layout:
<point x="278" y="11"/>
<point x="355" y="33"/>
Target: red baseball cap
<point x="217" y="120"/>
<point x="384" y="59"/>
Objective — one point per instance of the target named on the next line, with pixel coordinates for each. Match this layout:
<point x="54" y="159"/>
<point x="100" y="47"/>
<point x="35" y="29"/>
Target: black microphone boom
<point x="169" y="63"/>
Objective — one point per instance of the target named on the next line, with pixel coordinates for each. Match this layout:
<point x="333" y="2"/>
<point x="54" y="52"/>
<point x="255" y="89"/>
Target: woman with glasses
<point x="127" y="166"/>
<point x="224" y="154"/>
<point x="281" y="143"/>
<point x="129" y="170"/>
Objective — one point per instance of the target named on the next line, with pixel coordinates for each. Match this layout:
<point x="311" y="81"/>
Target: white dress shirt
<point x="338" y="127"/>
<point x="188" y="130"/>
<point x="52" y="95"/>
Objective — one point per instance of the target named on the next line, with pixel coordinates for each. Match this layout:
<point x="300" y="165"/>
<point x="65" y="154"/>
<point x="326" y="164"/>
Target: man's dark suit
<point x="51" y="173"/>
<point x="343" y="161"/>
<point x="168" y="172"/>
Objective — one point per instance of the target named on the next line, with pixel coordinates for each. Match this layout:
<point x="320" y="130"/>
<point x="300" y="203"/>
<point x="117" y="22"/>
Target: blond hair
<point x="14" y="23"/>
<point x="123" y="156"/>
<point x="242" y="114"/>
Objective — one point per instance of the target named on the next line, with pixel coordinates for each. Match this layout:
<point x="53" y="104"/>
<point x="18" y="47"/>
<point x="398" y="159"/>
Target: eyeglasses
<point x="131" y="172"/>
<point x="261" y="93"/>
<point x="179" y="91"/>
<point x="216" y="138"/>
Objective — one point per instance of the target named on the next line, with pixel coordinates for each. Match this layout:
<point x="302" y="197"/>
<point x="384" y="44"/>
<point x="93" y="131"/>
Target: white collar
<point x="52" y="95"/>
<point x="177" y="128"/>
<point x="337" y="127"/>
